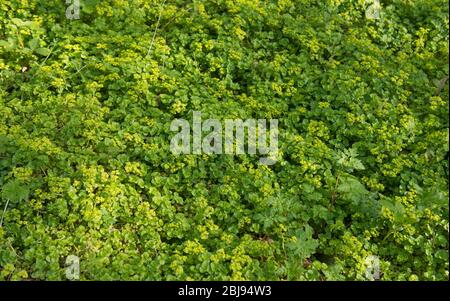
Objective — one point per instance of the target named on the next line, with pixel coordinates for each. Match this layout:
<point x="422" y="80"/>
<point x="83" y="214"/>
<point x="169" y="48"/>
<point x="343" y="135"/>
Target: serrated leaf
<point x="33" y="44"/>
<point x="305" y="245"/>
<point x="4" y="44"/>
<point x="43" y="51"/>
<point x="8" y="45"/>
<point x="14" y="191"/>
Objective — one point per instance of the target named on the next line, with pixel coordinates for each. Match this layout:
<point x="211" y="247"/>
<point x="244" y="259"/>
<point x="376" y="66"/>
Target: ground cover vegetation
<point x="85" y="165"/>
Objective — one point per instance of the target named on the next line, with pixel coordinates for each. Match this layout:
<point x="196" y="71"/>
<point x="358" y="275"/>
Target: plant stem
<point x="156" y="29"/>
<point x="4" y="210"/>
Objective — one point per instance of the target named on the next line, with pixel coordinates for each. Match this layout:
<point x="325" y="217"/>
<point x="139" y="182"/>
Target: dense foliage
<point x="86" y="169"/>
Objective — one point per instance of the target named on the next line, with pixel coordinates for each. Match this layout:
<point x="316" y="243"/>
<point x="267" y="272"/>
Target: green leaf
<point x="33" y="44"/>
<point x="434" y="197"/>
<point x="43" y="51"/>
<point x="14" y="191"/>
<point x="4" y="44"/>
<point x="305" y="245"/>
<point x="8" y="45"/>
<point x="352" y="186"/>
<point x="348" y="160"/>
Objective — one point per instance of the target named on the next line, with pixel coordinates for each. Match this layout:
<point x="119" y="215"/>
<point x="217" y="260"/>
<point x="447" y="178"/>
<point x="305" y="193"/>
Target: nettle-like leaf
<point x="433" y="197"/>
<point x="42" y="51"/>
<point x="8" y="44"/>
<point x="352" y="186"/>
<point x="397" y="209"/>
<point x="15" y="191"/>
<point x="349" y="161"/>
<point x="351" y="190"/>
<point x="88" y="6"/>
<point x="304" y="245"/>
